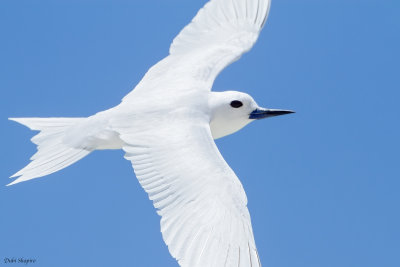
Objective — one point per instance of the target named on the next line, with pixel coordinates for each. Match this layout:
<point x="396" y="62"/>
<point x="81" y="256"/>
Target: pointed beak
<point x="261" y="113"/>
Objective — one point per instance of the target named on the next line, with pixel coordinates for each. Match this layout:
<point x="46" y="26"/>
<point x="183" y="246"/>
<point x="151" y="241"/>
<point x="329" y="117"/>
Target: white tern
<point x="167" y="126"/>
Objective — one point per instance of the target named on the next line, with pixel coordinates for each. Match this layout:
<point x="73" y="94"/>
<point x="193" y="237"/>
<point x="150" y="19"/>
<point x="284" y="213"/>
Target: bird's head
<point x="232" y="110"/>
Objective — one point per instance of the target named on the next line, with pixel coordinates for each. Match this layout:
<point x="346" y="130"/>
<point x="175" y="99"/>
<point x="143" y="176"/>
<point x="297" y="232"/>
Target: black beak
<point x="261" y="113"/>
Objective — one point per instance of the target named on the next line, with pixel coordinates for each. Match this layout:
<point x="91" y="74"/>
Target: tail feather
<point x="46" y="123"/>
<point x="53" y="154"/>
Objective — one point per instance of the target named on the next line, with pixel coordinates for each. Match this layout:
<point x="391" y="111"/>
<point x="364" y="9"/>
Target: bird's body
<point x="166" y="126"/>
<point x="99" y="129"/>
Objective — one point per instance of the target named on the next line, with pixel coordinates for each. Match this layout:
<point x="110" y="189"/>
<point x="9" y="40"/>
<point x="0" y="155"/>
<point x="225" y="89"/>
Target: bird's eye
<point x="236" y="104"/>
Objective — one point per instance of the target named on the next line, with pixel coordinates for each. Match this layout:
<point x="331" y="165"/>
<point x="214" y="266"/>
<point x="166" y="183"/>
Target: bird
<point x="167" y="126"/>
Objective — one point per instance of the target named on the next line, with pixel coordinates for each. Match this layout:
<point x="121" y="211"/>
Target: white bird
<point x="167" y="126"/>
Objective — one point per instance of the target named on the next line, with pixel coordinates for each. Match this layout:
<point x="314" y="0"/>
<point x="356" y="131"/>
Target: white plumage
<point x="166" y="126"/>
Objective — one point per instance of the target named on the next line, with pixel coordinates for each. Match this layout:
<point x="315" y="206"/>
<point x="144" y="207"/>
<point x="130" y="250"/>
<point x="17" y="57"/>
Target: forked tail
<point x="53" y="154"/>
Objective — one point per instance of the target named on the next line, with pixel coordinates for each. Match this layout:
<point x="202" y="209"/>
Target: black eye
<point x="236" y="104"/>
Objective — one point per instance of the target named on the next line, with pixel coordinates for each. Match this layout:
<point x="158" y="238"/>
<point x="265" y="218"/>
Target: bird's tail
<point x="53" y="154"/>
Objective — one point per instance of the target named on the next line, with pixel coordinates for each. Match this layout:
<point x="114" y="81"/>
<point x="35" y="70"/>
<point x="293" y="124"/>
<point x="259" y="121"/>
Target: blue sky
<point x="322" y="184"/>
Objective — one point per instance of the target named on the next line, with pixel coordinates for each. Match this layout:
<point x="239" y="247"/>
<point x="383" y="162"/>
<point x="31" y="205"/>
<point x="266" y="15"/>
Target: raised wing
<point x="227" y="24"/>
<point x="218" y="35"/>
<point x="205" y="221"/>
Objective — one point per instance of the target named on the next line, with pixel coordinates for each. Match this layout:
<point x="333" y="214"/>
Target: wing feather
<point x="204" y="218"/>
<point x="217" y="16"/>
<point x="218" y="35"/>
